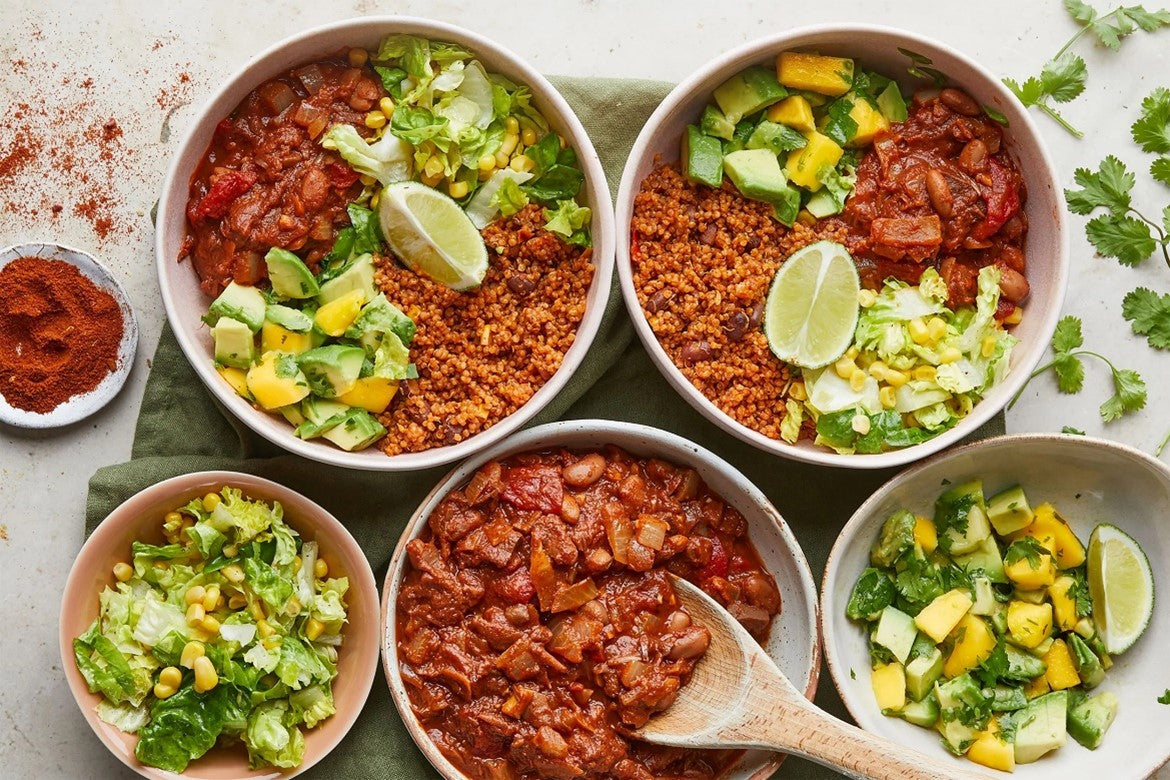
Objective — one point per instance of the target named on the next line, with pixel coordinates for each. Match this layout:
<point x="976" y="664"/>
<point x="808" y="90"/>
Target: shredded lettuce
<point x="483" y="207"/>
<point x="270" y="739"/>
<point x="312" y="704"/>
<point x="388" y="159"/>
<point x="127" y="717"/>
<point x="793" y="417"/>
<point x="570" y="220"/>
<point x="509" y="198"/>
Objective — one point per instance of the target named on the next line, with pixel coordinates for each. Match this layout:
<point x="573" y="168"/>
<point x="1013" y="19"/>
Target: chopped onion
<point x="575" y="595"/>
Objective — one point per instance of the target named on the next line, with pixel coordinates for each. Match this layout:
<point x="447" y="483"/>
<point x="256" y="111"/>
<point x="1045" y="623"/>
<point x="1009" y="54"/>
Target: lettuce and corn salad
<point x="228" y="633"/>
<point x="914" y="370"/>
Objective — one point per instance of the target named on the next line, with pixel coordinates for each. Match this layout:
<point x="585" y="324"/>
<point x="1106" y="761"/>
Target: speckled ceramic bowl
<point x="878" y="48"/>
<point x="140" y="518"/>
<point x="792" y="642"/>
<point x="185" y="302"/>
<point x="1089" y="481"/>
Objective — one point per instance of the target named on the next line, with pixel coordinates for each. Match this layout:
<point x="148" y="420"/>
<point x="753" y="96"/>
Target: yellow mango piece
<point x="974" y="643"/>
<point x="805" y="164"/>
<point x="991" y="751"/>
<point x="1066" y="547"/>
<point x="371" y="393"/>
<point x="794" y="111"/>
<point x="274" y="383"/>
<point x="276" y="338"/>
<point x="1038" y="687"/>
<point x="925" y="534"/>
<point x="336" y="316"/>
<point x="1029" y="575"/>
<point x="1064" y="606"/>
<point x="889" y="686"/>
<point x="939" y="617"/>
<point x="815" y="73"/>
<point x="237" y="378"/>
<point x="1029" y="624"/>
<point x="1061" y="672"/>
<point x="870" y="121"/>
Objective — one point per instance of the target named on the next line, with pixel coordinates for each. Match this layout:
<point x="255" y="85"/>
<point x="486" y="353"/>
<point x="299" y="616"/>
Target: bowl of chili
<point x="255" y="171"/>
<point x="955" y="195"/>
<point x="532" y="581"/>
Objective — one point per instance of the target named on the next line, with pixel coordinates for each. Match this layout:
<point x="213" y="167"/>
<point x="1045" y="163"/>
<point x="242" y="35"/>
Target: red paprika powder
<point x="59" y="333"/>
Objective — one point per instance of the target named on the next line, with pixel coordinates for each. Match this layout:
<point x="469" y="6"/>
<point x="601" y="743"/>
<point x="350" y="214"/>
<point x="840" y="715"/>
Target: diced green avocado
<point x="896" y="632"/>
<point x="897" y="537"/>
<point x="288" y="317"/>
<point x="787" y="208"/>
<point x="757" y="174"/>
<point x="357" y="430"/>
<point x="822" y="204"/>
<point x="1041" y="726"/>
<point x="290" y="277"/>
<point x="959" y="692"/>
<point x="1022" y="666"/>
<point x="921" y="713"/>
<point x="702" y="157"/>
<point x="922" y="673"/>
<point x="332" y="370"/>
<point x="377" y="318"/>
<point x="1029" y="596"/>
<point x="777" y="138"/>
<point x="873" y="592"/>
<point x="715" y="124"/>
<point x="318" y="415"/>
<point x="961" y="517"/>
<point x="959" y="700"/>
<point x="923" y="645"/>
<point x="235" y="344"/>
<point x="892" y="104"/>
<point x="358" y="274"/>
<point x="985" y="558"/>
<point x="240" y="302"/>
<point x="391" y="361"/>
<point x="1090" y="717"/>
<point x="984" y="596"/>
<point x="999" y="619"/>
<point x="292" y="413"/>
<point x="1089" y="667"/>
<point x="1004" y="699"/>
<point x="1009" y="511"/>
<point x="747" y="92"/>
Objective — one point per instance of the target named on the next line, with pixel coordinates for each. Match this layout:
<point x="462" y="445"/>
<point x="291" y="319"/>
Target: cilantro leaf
<point x="1068" y="334"/>
<point x="1029" y="93"/>
<point x="1026" y="548"/>
<point x="1108" y="188"/>
<point x="1079" y="592"/>
<point x="1127" y="239"/>
<point x="1070" y="373"/>
<point x="1165" y="697"/>
<point x="1081" y="12"/>
<point x="1160" y="170"/>
<point x="1072" y="431"/>
<point x="1149" y="21"/>
<point x="1063" y="78"/>
<point x="1152" y="129"/>
<point x="1129" y="394"/>
<point x="992" y="667"/>
<point x="1149" y="314"/>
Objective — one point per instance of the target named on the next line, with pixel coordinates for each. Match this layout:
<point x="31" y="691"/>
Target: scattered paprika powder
<point x="59" y="333"/>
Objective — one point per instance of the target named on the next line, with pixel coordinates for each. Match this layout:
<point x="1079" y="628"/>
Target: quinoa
<point x="703" y="261"/>
<point x="483" y="353"/>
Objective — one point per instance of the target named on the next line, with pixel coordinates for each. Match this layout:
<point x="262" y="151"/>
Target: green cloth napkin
<point x="181" y="429"/>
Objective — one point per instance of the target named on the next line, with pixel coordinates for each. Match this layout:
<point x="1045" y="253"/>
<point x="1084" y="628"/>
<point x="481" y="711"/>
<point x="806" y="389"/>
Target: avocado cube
<point x="1088" y="666"/>
<point x="289" y="276"/>
<point x="1090" y="717"/>
<point x="1022" y="666"/>
<point x="332" y="370"/>
<point x="984" y="596"/>
<point x="815" y="73"/>
<point x="897" y="536"/>
<point x="702" y="157"/>
<point x="756" y="173"/>
<point x="896" y="633"/>
<point x="873" y="592"/>
<point x="921" y="713"/>
<point x="984" y="559"/>
<point x="240" y="302"/>
<point x="962" y="512"/>
<point x="357" y="274"/>
<point x="235" y="346"/>
<point x="715" y="124"/>
<point x="287" y="317"/>
<point x="806" y="166"/>
<point x="892" y="104"/>
<point x="794" y="111"/>
<point x="922" y="673"/>
<point x="747" y="92"/>
<point x="1009" y="511"/>
<point x="778" y="138"/>
<point x="1004" y="699"/>
<point x="1042" y="726"/>
<point x="958" y="699"/>
<point x="357" y="430"/>
<point x="377" y="318"/>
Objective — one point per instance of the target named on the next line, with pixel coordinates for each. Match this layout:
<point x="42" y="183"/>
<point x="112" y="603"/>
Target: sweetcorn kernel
<point x="937" y="328"/>
<point x="386" y="105"/>
<point x="857" y="380"/>
<point x="797" y="391"/>
<point x="925" y="373"/>
<point x="887" y="397"/>
<point x="860" y="424"/>
<point x="918" y="331"/>
<point x="1014" y="318"/>
<point x="950" y="355"/>
<point x="896" y="378"/>
<point x="866" y="298"/>
<point x="845" y="367"/>
<point x="987" y="348"/>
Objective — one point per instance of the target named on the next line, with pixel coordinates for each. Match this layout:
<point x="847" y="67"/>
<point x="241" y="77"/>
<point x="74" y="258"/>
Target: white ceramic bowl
<point x="877" y="47"/>
<point x="1089" y="481"/>
<point x="792" y="642"/>
<point x="186" y="303"/>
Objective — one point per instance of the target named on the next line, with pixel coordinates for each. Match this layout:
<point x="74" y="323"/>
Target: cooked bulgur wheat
<point x="703" y="264"/>
<point x="482" y="354"/>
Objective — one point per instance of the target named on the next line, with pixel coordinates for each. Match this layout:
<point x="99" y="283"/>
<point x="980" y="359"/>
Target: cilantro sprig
<point x="1122" y="232"/>
<point x="1129" y="389"/>
<point x="1151" y="132"/>
<point x="1062" y="79"/>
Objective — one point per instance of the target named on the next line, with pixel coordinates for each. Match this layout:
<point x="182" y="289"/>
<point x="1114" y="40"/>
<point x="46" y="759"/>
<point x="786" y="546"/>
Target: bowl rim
<point x="850" y="531"/>
<point x="323" y="522"/>
<point x="630" y="184"/>
<point x="174" y="195"/>
<point x="667" y="445"/>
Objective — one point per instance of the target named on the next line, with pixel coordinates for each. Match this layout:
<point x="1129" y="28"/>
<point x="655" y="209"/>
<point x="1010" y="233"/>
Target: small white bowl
<point x="792" y="641"/>
<point x="1089" y="481"/>
<point x="186" y="303"/>
<point x="878" y="48"/>
<point x="80" y="406"/>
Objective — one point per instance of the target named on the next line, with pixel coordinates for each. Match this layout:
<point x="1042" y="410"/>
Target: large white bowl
<point x="1089" y="481"/>
<point x="186" y="303"/>
<point x="792" y="642"/>
<point x="877" y="47"/>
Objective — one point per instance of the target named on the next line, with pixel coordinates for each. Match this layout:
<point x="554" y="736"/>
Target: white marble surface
<point x="135" y="52"/>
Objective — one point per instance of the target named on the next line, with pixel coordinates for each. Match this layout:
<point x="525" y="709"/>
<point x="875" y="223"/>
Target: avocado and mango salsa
<point x="981" y="625"/>
<point x="331" y="351"/>
<point x="789" y="135"/>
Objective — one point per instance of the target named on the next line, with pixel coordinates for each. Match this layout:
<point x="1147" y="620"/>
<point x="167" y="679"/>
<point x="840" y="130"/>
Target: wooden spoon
<point x="737" y="698"/>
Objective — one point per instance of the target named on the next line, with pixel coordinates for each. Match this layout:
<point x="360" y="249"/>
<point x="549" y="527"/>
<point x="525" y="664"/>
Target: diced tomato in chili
<point x="1003" y="309"/>
<point x="1002" y="197"/>
<point x="535" y="488"/>
<point x="227" y="187"/>
<point x="341" y="176"/>
<point x="719" y="564"/>
<point x="635" y="249"/>
<point x="516" y="588"/>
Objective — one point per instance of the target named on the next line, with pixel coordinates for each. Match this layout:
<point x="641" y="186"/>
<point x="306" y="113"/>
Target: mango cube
<point x="1038" y="687"/>
<point x="1061" y="671"/>
<point x="974" y="643"/>
<point x="237" y="378"/>
<point x="925" y="534"/>
<point x="889" y="686"/>
<point x="1066" y="547"/>
<point x="1032" y="574"/>
<point x="1064" y="606"/>
<point x="335" y="317"/>
<point x="372" y="393"/>
<point x="815" y="72"/>
<point x="939" y="617"/>
<point x="276" y="381"/>
<point x="806" y="164"/>
<point x="992" y="752"/>
<point x="870" y="121"/>
<point x="794" y="111"/>
<point x="276" y="338"/>
<point x="1029" y="624"/>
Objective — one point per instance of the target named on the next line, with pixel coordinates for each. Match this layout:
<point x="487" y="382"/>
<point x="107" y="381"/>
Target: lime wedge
<point x="432" y="235"/>
<point x="811" y="311"/>
<point x="1121" y="586"/>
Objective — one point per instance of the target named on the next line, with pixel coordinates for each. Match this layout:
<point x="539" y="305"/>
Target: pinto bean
<point x="570" y="509"/>
<point x="585" y="471"/>
<point x="677" y="620"/>
<point x="691" y="644"/>
<point x="973" y="158"/>
<point x="736" y="326"/>
<point x="1012" y="284"/>
<point x="696" y="352"/>
<point x="959" y="102"/>
<point x="1013" y="228"/>
<point x="1012" y="257"/>
<point x="940" y="193"/>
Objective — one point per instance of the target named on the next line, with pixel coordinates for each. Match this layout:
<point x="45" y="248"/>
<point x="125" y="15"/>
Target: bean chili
<point x="537" y="627"/>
